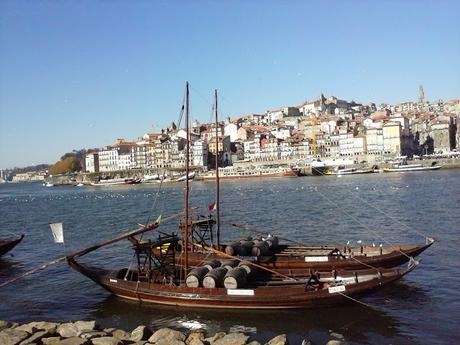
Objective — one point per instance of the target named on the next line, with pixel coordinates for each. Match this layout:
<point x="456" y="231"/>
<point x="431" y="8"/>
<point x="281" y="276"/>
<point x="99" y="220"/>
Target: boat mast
<point x="187" y="168"/>
<point x="217" y="174"/>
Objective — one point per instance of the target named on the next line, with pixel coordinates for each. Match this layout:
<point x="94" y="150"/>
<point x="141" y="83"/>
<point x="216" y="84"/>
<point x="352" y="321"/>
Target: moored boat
<point x="250" y="172"/>
<point x="348" y="171"/>
<point x="7" y="244"/>
<point x="411" y="167"/>
<point x="115" y="182"/>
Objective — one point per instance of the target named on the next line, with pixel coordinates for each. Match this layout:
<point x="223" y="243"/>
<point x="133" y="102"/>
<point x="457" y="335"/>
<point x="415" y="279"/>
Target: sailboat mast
<point x="217" y="174"/>
<point x="187" y="168"/>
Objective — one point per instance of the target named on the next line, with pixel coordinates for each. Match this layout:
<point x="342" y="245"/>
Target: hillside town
<point x="325" y="128"/>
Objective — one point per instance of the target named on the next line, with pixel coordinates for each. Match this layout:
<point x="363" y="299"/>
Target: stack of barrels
<point x="247" y="246"/>
<point x="231" y="274"/>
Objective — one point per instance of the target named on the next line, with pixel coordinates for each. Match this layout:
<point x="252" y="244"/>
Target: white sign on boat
<point x="316" y="258"/>
<point x="335" y="289"/>
<point x="240" y="292"/>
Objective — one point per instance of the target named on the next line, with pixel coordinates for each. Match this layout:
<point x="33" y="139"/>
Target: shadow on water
<point x="350" y="322"/>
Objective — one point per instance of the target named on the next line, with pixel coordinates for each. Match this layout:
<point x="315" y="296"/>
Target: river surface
<point x="422" y="308"/>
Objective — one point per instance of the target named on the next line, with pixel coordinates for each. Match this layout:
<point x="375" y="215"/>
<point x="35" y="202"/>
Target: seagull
<point x="373" y="244"/>
<point x="359" y="241"/>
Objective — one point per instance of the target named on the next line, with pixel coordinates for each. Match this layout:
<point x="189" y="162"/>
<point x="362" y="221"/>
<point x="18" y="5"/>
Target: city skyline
<point x="80" y="75"/>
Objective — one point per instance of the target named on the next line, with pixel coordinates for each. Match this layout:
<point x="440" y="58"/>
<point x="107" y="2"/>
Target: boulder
<point x="85" y="325"/>
<point x="11" y="336"/>
<point x="215" y="337"/>
<point x="35" y="338"/>
<point x="33" y="326"/>
<point x="92" y="334"/>
<point x="165" y="335"/>
<point x="140" y="333"/>
<point x="306" y="342"/>
<point x="195" y="338"/>
<point x="4" y="324"/>
<point x="254" y="342"/>
<point x="106" y="341"/>
<point x="279" y="340"/>
<point x="232" y="339"/>
<point x="51" y="340"/>
<point x="68" y="330"/>
<point x="335" y="342"/>
<point x="74" y="341"/>
<point x="121" y="334"/>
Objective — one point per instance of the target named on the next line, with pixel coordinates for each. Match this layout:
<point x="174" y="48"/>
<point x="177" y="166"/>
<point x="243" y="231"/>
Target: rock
<point x="11" y="336"/>
<point x="31" y="327"/>
<point x="232" y="339"/>
<point x="140" y="333"/>
<point x="307" y="342"/>
<point x="194" y="337"/>
<point x="68" y="330"/>
<point x="92" y="334"/>
<point x="4" y="325"/>
<point x="35" y="338"/>
<point x="74" y="341"/>
<point x="197" y="342"/>
<point x="51" y="340"/>
<point x="109" y="330"/>
<point x="85" y="325"/>
<point x="165" y="335"/>
<point x="279" y="340"/>
<point x="121" y="334"/>
<point x="107" y="341"/>
<point x="254" y="342"/>
<point x="215" y="337"/>
<point x="335" y="342"/>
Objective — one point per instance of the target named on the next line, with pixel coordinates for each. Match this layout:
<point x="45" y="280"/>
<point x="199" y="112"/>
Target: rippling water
<point x="379" y="208"/>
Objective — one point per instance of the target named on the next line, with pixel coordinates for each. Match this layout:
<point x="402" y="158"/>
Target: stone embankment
<point x="89" y="333"/>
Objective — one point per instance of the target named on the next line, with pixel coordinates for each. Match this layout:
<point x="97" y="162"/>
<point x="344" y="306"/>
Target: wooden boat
<point x="251" y="172"/>
<point x="8" y="244"/>
<point x="163" y="276"/>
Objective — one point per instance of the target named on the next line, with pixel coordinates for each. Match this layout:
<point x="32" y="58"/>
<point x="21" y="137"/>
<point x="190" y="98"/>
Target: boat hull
<point x="391" y="257"/>
<point x="7" y="245"/>
<point x="265" y="297"/>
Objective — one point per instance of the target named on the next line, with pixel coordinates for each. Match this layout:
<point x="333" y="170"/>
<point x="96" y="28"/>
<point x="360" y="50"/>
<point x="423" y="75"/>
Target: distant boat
<point x="80" y="185"/>
<point x="191" y="176"/>
<point x="150" y="178"/>
<point x="411" y="167"/>
<point x="8" y="244"/>
<point x="254" y="172"/>
<point x="349" y="171"/>
<point x="115" y="182"/>
<point x="48" y="184"/>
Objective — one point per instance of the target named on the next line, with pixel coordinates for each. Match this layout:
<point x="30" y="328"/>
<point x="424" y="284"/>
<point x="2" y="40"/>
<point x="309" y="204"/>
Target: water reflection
<point x="352" y="322"/>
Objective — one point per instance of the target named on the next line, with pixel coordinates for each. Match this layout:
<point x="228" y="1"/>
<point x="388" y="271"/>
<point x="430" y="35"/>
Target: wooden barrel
<point x="259" y="248"/>
<point x="272" y="241"/>
<point x="195" y="277"/>
<point x="229" y="264"/>
<point x="245" y="248"/>
<point x="210" y="264"/>
<point x="214" y="278"/>
<point x="232" y="248"/>
<point x="235" y="278"/>
<point x="248" y="268"/>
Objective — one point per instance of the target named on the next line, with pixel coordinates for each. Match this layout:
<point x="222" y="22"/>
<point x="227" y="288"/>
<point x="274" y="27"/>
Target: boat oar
<point x="136" y="231"/>
<point x="242" y="260"/>
<point x="42" y="267"/>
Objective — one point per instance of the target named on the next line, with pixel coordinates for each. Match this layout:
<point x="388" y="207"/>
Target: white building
<point x="200" y="154"/>
<point x="231" y="130"/>
<point x="92" y="162"/>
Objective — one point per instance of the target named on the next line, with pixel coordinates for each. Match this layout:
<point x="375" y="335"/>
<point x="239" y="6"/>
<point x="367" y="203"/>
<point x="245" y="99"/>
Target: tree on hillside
<point x="66" y="165"/>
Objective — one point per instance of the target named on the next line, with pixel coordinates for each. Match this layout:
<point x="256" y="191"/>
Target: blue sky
<point x="80" y="74"/>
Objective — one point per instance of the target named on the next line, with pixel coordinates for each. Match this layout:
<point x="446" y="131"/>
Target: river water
<point x="422" y="308"/>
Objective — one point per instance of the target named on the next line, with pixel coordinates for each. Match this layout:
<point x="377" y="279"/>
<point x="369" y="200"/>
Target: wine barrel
<point x="245" y="248"/>
<point x="272" y="241"/>
<point x="210" y="264"/>
<point x="235" y="278"/>
<point x="214" y="278"/>
<point x="232" y="248"/>
<point x="248" y="268"/>
<point x="260" y="248"/>
<point x="229" y="264"/>
<point x="195" y="277"/>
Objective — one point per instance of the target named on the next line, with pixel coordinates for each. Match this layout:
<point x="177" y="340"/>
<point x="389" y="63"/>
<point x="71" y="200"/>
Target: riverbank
<point x="90" y="333"/>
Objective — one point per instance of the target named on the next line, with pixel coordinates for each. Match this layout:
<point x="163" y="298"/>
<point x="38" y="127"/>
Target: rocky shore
<point x="89" y="333"/>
